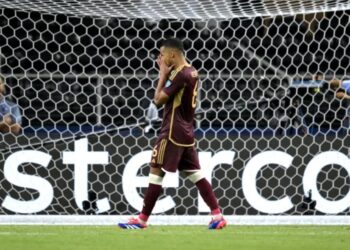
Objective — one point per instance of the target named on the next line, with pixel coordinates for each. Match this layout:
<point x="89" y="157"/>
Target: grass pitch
<point x="175" y="237"/>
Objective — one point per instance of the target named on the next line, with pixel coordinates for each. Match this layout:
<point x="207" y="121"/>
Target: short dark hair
<point x="173" y="43"/>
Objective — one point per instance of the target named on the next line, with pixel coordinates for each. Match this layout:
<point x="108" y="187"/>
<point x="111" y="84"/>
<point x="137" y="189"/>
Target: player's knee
<point x="155" y="179"/>
<point x="196" y="176"/>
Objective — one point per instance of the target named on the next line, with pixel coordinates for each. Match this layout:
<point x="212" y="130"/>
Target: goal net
<point x="272" y="125"/>
<point x="182" y="9"/>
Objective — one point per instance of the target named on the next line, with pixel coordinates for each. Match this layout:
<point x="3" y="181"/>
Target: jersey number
<point x="194" y="95"/>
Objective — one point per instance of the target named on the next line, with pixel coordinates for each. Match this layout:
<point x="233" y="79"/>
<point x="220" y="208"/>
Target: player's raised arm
<point x="160" y="97"/>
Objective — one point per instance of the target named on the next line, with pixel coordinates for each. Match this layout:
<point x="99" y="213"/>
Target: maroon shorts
<point x="170" y="157"/>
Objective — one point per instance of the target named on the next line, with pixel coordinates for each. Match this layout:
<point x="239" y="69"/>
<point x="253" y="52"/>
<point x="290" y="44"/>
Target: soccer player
<point x="10" y="116"/>
<point x="174" y="150"/>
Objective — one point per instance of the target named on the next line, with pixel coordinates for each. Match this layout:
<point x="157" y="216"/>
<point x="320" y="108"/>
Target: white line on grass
<point x="27" y="234"/>
<point x="289" y="233"/>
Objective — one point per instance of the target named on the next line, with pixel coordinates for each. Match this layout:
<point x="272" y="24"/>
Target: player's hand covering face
<point x="164" y="62"/>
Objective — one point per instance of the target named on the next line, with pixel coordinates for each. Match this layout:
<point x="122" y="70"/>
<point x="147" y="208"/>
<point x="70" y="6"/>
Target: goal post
<point x="272" y="132"/>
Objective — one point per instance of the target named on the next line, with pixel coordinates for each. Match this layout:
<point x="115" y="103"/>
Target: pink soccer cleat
<point x="217" y="224"/>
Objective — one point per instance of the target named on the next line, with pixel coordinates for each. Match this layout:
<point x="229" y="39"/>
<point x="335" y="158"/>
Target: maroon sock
<point x="150" y="199"/>
<point x="207" y="194"/>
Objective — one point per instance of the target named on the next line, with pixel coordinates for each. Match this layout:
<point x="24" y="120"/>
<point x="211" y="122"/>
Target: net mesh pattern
<point x="182" y="9"/>
<point x="264" y="86"/>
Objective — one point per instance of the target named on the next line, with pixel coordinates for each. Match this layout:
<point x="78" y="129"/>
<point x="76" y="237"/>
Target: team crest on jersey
<point x="168" y="83"/>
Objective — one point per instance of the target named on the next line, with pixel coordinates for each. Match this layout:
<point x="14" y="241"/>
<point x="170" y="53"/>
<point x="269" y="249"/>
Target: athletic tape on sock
<point x="196" y="176"/>
<point x="155" y="179"/>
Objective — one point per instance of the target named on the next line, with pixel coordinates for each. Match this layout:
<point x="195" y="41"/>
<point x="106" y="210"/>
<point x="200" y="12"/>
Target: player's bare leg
<point x="207" y="193"/>
<point x="154" y="190"/>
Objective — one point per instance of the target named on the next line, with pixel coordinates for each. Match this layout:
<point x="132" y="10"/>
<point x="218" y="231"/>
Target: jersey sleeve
<point x="173" y="86"/>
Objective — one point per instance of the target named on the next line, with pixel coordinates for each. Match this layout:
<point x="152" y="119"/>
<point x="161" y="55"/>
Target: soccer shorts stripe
<point x="161" y="151"/>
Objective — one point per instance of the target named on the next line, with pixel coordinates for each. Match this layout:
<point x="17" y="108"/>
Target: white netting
<point x="181" y="9"/>
<point x="84" y="84"/>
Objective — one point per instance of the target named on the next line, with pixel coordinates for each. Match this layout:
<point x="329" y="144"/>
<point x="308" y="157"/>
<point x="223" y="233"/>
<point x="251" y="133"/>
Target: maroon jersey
<point x="178" y="114"/>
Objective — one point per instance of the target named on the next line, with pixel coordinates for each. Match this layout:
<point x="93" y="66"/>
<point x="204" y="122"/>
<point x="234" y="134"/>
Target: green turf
<point x="175" y="237"/>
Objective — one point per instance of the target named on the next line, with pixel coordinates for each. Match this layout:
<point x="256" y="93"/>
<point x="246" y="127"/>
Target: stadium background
<point x="76" y="77"/>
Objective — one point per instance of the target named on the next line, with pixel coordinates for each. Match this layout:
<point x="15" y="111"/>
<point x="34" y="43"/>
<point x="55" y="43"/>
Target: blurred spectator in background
<point x="10" y="115"/>
<point x="342" y="92"/>
<point x="152" y="118"/>
<point x="342" y="88"/>
<point x="292" y="121"/>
